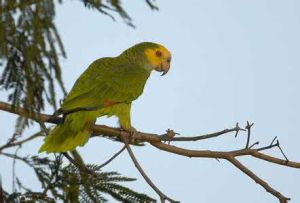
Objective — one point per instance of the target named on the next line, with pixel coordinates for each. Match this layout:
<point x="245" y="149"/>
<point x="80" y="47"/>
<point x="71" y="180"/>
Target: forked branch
<point x="156" y="141"/>
<point x="162" y="196"/>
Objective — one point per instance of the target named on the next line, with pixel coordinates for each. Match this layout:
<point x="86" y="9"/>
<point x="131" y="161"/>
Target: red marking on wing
<point x="108" y="103"/>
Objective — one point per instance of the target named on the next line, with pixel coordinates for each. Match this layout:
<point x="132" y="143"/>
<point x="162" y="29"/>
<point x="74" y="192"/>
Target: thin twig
<point x="14" y="156"/>
<point x="81" y="167"/>
<point x="282" y="151"/>
<point x="258" y="180"/>
<point x="255" y="143"/>
<point x="19" y="143"/>
<point x="206" y="136"/>
<point x="267" y="147"/>
<point x="248" y="127"/>
<point x="113" y="157"/>
<point x="44" y="128"/>
<point x="273" y="140"/>
<point x="277" y="144"/>
<point x="162" y="196"/>
<point x="54" y="175"/>
<point x="1" y="191"/>
<point x="14" y="170"/>
<point x="155" y="140"/>
<point x="223" y="155"/>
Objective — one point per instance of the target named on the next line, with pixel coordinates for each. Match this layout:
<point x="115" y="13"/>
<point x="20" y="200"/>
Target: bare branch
<point x="162" y="196"/>
<point x="206" y="136"/>
<point x="113" y="157"/>
<point x="15" y="156"/>
<point x="81" y="166"/>
<point x="255" y="143"/>
<point x="282" y="151"/>
<point x="39" y="117"/>
<point x="19" y="143"/>
<point x="248" y="127"/>
<point x="155" y="140"/>
<point x="258" y="180"/>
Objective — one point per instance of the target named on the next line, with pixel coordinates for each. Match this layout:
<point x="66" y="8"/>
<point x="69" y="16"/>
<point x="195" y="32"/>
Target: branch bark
<point x="113" y="157"/>
<point x="163" y="197"/>
<point x="258" y="180"/>
<point x="155" y="140"/>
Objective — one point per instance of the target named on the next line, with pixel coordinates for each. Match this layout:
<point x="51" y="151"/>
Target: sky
<point x="232" y="61"/>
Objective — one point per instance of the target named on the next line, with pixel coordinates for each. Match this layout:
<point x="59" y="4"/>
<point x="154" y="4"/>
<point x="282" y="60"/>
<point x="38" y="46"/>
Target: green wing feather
<point x="106" y="79"/>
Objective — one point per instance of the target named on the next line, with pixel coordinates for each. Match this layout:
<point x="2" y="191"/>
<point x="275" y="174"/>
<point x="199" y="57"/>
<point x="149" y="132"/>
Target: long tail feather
<point x="75" y="131"/>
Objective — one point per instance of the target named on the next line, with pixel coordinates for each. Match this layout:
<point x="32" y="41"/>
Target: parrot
<point x="106" y="88"/>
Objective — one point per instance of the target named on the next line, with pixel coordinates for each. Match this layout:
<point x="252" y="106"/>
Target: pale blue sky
<point x="233" y="61"/>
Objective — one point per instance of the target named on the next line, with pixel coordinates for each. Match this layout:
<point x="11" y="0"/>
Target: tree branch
<point x="19" y="143"/>
<point x="248" y="127"/>
<point x="162" y="196"/>
<point x="258" y="180"/>
<point x="155" y="140"/>
<point x="236" y="129"/>
<point x="113" y="157"/>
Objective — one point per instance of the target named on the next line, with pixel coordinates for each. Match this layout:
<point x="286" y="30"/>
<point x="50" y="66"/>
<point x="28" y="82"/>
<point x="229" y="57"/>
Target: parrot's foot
<point x="132" y="131"/>
<point x="132" y="134"/>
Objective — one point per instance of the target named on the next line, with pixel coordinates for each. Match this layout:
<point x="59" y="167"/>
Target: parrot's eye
<point x="158" y="53"/>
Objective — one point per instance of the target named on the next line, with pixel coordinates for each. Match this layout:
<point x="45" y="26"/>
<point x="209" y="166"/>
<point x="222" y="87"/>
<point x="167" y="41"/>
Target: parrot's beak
<point x="164" y="67"/>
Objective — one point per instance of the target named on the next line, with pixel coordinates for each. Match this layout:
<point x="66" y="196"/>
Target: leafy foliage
<point x="31" y="48"/>
<point x="30" y="54"/>
<point x="70" y="184"/>
<point x="113" y="6"/>
<point x="91" y="187"/>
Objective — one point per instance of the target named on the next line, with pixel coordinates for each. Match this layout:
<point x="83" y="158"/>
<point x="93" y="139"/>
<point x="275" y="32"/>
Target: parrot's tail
<point x="74" y="131"/>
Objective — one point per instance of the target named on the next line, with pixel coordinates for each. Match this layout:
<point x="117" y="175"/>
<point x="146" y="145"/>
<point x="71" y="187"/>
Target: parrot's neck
<point x="147" y="67"/>
<point x="138" y="59"/>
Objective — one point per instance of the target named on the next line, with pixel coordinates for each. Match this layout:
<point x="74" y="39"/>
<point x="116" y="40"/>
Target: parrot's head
<point x="159" y="58"/>
<point x="154" y="56"/>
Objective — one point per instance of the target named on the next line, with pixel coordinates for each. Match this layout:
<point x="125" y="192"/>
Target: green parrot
<point x="106" y="88"/>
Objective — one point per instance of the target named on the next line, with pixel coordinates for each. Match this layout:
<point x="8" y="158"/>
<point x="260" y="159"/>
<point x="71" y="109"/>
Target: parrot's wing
<point x="101" y="84"/>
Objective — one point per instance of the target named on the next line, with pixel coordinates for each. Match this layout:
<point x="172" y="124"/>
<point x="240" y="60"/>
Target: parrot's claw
<point x="132" y="134"/>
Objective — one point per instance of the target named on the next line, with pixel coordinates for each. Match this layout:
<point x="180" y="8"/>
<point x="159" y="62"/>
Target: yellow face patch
<point x="158" y="55"/>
